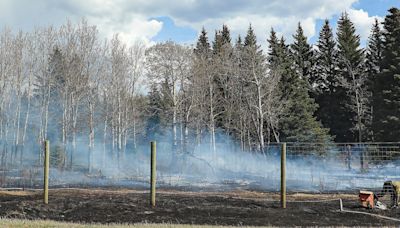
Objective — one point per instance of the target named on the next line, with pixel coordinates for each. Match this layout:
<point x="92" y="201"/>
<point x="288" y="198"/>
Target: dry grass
<point x="17" y="193"/>
<point x="17" y="223"/>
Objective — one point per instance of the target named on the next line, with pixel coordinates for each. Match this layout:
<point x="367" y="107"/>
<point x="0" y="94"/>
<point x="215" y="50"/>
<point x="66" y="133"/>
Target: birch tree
<point x="167" y="68"/>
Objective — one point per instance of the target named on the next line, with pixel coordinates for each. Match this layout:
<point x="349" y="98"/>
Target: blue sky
<point x="181" y="20"/>
<point x="170" y="31"/>
<point x="186" y="34"/>
<point x="372" y="7"/>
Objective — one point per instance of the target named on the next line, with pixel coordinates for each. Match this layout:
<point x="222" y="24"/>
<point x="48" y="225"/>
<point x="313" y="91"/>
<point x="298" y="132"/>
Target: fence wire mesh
<point x="313" y="168"/>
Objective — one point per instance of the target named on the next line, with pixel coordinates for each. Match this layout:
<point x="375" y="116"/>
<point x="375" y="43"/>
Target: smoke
<point x="201" y="168"/>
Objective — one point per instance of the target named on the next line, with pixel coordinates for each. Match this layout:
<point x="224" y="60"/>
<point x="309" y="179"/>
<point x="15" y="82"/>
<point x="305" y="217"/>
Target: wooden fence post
<point x="153" y="174"/>
<point x="283" y="175"/>
<point x="46" y="172"/>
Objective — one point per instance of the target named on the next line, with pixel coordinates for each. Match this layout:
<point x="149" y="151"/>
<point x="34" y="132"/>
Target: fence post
<point x="283" y="175"/>
<point x="46" y="172"/>
<point x="153" y="174"/>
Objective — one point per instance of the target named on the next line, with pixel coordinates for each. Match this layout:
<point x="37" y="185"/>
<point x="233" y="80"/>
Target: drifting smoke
<point x="200" y="168"/>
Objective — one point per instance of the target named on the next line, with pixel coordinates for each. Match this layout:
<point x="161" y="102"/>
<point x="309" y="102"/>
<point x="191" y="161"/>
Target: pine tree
<point x="326" y="57"/>
<point x="202" y="45"/>
<point x="353" y="111"/>
<point x="238" y="54"/>
<point x="273" y="49"/>
<point x="217" y="43"/>
<point x="155" y="106"/>
<point x="302" y="54"/>
<point x="250" y="40"/>
<point x="298" y="123"/>
<point x="225" y="35"/>
<point x="374" y="51"/>
<point x="348" y="45"/>
<point x="373" y="60"/>
<point x="239" y="42"/>
<point x="222" y="60"/>
<point x="325" y="81"/>
<point x="386" y="114"/>
<point x="222" y="40"/>
<point x="57" y="69"/>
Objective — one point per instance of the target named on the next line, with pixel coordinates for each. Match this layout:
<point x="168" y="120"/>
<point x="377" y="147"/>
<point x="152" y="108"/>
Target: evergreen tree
<point x="222" y="40"/>
<point x="57" y="69"/>
<point x="386" y="114"/>
<point x="217" y="43"/>
<point x="239" y="42"/>
<point x="155" y="108"/>
<point x="374" y="51"/>
<point x="274" y="50"/>
<point x="298" y="123"/>
<point x="373" y="60"/>
<point x="325" y="81"/>
<point x="222" y="63"/>
<point x="202" y="45"/>
<point x="303" y="55"/>
<point x="250" y="40"/>
<point x="352" y="113"/>
<point x="225" y="35"/>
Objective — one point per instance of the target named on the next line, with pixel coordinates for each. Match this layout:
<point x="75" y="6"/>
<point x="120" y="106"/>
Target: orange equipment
<point x="366" y="199"/>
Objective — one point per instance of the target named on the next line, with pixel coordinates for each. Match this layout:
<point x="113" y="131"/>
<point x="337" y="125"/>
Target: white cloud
<point x="136" y="28"/>
<point x="363" y="22"/>
<point x="131" y="18"/>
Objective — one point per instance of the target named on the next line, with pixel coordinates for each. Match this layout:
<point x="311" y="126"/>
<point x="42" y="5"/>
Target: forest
<point x="69" y="85"/>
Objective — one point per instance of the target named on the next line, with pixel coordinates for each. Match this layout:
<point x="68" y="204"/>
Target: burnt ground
<point x="176" y="207"/>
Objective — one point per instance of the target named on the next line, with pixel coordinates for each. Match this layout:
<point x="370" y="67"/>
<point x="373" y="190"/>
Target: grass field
<point x="101" y="207"/>
<point x="19" y="223"/>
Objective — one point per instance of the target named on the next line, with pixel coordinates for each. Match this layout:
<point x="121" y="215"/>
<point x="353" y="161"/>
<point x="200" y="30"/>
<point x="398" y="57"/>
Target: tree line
<point x="68" y="85"/>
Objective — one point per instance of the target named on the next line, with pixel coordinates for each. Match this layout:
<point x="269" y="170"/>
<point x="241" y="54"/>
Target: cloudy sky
<point x="181" y="20"/>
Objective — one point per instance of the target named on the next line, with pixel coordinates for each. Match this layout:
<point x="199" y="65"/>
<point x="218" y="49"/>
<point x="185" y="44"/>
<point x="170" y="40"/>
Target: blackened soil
<point x="235" y="208"/>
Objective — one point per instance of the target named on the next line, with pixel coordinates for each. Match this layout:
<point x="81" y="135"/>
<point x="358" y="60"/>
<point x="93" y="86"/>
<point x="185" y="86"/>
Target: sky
<point x="181" y="20"/>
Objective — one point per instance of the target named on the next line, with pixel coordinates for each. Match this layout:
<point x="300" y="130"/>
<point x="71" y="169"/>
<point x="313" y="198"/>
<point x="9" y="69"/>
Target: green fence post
<point x="153" y="174"/>
<point x="283" y="175"/>
<point x="46" y="172"/>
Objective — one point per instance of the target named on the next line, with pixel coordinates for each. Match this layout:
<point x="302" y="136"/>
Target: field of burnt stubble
<point x="248" y="208"/>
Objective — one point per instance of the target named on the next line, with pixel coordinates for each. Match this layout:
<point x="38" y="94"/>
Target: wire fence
<point x="310" y="168"/>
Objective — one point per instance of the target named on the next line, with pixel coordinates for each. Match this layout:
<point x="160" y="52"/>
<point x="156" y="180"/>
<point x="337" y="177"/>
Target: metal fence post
<point x="153" y="174"/>
<point x="283" y="175"/>
<point x="46" y="172"/>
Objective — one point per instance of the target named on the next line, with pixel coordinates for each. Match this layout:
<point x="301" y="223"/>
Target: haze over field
<point x="216" y="89"/>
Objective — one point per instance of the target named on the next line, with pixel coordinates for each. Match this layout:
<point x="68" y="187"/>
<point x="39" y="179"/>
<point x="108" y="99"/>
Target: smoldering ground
<point x="201" y="168"/>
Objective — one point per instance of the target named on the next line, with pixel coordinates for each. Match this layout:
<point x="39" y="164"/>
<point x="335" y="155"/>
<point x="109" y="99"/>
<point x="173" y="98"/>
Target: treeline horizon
<point x="67" y="83"/>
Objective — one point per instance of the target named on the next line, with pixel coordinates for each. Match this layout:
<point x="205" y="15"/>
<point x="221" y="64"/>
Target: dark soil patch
<point x="234" y="208"/>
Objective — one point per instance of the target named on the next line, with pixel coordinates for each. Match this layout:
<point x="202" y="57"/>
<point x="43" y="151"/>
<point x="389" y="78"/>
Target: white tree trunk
<point x="91" y="136"/>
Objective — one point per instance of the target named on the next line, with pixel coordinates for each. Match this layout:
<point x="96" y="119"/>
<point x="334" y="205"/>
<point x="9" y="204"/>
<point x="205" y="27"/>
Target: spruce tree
<point x="202" y="45"/>
<point x="222" y="39"/>
<point x="222" y="59"/>
<point x="239" y="42"/>
<point x="250" y="40"/>
<point x="297" y="124"/>
<point x="238" y="54"/>
<point x="386" y="114"/>
<point x="225" y="35"/>
<point x="155" y="106"/>
<point x="303" y="55"/>
<point x="351" y="114"/>
<point x="325" y="81"/>
<point x="374" y="51"/>
<point x="273" y="49"/>
<point x="57" y="69"/>
<point x="373" y="60"/>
